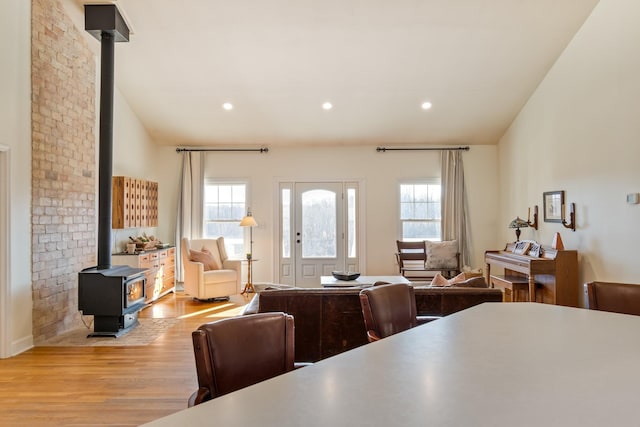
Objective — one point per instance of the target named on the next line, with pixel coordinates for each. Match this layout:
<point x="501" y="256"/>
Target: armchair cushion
<point x="206" y="258"/>
<point x="442" y="254"/>
<point x="220" y="276"/>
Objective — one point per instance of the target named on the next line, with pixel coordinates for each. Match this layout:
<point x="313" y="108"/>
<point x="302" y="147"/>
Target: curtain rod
<point x="261" y="149"/>
<point x="385" y="149"/>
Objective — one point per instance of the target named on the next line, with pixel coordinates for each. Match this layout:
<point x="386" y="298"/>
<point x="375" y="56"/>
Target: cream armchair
<point x="209" y="284"/>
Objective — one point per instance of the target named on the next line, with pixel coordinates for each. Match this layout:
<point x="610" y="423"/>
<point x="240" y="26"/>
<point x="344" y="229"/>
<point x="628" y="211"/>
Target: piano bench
<point x="515" y="288"/>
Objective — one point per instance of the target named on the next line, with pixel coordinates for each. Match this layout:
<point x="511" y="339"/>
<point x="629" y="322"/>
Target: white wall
<point x="15" y="133"/>
<point x="580" y="133"/>
<point x="380" y="173"/>
<point x="134" y="155"/>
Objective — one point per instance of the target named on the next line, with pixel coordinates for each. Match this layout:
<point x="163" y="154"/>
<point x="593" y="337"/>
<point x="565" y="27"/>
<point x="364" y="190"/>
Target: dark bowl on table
<point x="345" y="275"/>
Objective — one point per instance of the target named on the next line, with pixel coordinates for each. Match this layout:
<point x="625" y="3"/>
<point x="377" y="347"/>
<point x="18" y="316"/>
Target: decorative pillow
<point x="217" y="262"/>
<point x="478" y="272"/>
<point x="441" y="254"/>
<point x="459" y="278"/>
<point x="439" y="280"/>
<point x="205" y="257"/>
<point x="473" y="282"/>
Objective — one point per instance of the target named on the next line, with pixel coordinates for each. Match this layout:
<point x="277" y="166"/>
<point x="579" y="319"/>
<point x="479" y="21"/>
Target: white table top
<point x="496" y="364"/>
<point x="330" y="281"/>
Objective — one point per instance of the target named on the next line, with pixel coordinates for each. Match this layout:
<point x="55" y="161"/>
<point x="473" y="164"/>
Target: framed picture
<point x="553" y="203"/>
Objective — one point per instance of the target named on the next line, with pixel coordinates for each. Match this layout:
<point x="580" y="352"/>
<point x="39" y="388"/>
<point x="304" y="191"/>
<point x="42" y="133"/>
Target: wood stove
<point x="114" y="296"/>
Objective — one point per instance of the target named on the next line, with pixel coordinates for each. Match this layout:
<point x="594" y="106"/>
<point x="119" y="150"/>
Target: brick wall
<point x="64" y="167"/>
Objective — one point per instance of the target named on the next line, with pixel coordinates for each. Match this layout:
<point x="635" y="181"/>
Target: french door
<point x="318" y="223"/>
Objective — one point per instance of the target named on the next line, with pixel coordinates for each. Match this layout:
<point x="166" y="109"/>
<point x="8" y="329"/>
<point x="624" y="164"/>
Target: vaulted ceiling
<point x="376" y="61"/>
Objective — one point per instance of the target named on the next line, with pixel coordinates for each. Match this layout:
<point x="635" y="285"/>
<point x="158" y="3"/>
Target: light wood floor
<point x="115" y="386"/>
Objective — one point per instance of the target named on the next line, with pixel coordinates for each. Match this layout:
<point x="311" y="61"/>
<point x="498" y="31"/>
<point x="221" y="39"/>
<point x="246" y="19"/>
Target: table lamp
<point x="518" y="223"/>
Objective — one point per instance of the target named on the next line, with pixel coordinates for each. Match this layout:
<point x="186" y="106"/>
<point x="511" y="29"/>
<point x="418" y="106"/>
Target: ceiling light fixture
<point x="426" y="105"/>
<point x="227" y="106"/>
<point x="327" y="106"/>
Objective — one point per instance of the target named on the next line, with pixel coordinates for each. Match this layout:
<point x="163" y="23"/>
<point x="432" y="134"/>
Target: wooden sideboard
<point x="160" y="265"/>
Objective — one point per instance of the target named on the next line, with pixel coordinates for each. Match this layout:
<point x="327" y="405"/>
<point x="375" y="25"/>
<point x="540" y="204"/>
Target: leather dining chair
<point x="615" y="297"/>
<point x="240" y="351"/>
<point x="388" y="309"/>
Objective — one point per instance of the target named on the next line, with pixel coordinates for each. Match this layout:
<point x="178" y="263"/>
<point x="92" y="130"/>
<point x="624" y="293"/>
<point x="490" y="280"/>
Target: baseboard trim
<point x="21" y="345"/>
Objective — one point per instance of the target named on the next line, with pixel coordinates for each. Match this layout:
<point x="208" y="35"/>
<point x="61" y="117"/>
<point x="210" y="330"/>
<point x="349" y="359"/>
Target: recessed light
<point x="227" y="106"/>
<point x="327" y="106"/>
<point x="426" y="105"/>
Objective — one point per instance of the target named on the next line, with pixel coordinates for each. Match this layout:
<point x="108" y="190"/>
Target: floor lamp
<point x="249" y="221"/>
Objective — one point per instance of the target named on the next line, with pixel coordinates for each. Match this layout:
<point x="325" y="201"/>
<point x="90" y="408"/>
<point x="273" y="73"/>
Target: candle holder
<point x="533" y="224"/>
<point x="572" y="217"/>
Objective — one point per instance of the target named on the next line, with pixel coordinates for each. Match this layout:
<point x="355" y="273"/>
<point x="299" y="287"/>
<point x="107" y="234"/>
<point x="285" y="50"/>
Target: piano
<point x="551" y="276"/>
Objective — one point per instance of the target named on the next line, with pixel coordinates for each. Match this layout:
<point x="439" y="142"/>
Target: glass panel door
<point x="319" y="231"/>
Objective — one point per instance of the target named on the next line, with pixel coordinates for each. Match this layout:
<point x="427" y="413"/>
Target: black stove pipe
<point x="105" y="23"/>
<point x="105" y="164"/>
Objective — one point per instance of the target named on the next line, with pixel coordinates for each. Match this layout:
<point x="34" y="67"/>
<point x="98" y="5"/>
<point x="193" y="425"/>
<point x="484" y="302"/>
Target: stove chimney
<point x="105" y="23"/>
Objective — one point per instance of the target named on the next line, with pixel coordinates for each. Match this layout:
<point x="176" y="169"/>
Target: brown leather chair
<point x="240" y="351"/>
<point x="388" y="309"/>
<point x="615" y="297"/>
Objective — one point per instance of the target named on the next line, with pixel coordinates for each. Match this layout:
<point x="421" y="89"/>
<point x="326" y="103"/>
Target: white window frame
<point x="402" y="221"/>
<point x="234" y="248"/>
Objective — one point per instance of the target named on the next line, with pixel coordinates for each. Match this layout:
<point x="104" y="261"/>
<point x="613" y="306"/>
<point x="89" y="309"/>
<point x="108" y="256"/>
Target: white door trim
<point x="5" y="290"/>
<point x="278" y="184"/>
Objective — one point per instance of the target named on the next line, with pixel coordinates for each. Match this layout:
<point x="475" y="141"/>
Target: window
<point x="420" y="214"/>
<point x="224" y="207"/>
<point x="319" y="229"/>
<point x="351" y="222"/>
<point x="285" y="198"/>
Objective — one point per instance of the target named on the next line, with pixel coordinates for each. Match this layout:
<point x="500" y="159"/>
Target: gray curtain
<point x="454" y="203"/>
<point x="190" y="203"/>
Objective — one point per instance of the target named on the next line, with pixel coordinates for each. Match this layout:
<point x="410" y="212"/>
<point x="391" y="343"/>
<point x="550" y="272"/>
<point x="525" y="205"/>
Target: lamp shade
<point x="248" y="221"/>
<point x="518" y="223"/>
